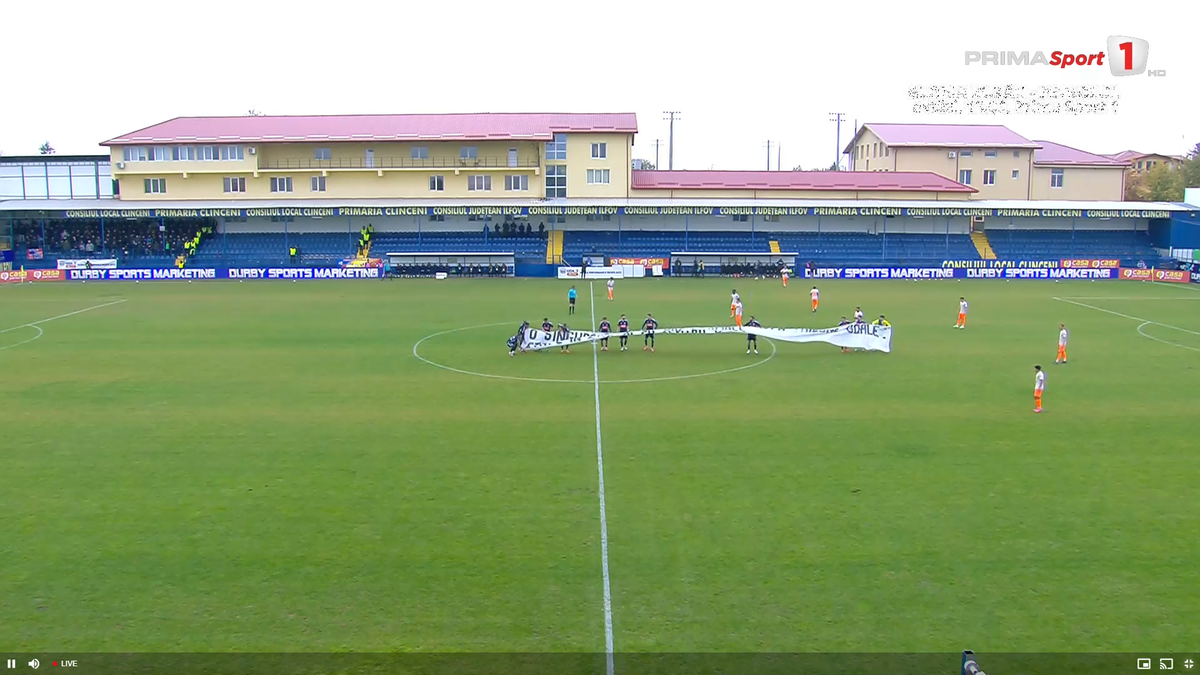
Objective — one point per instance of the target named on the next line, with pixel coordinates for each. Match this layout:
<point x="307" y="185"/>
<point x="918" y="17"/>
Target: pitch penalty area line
<point x="1145" y="322"/>
<point x="34" y="324"/>
<point x="608" y="620"/>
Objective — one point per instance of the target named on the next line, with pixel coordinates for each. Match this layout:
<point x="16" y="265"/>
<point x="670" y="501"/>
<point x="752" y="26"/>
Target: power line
<point x="671" y="116"/>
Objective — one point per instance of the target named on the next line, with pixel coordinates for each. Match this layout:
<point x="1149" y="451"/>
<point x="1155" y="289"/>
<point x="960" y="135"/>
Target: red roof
<point x="1059" y="154"/>
<point x="946" y="136"/>
<point x="848" y="181"/>
<point x="349" y="128"/>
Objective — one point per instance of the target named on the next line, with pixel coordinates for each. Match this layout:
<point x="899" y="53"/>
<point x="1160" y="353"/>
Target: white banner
<point x="570" y="272"/>
<point x="599" y="272"/>
<point x="105" y="264"/>
<point x="854" y="336"/>
<point x="540" y="339"/>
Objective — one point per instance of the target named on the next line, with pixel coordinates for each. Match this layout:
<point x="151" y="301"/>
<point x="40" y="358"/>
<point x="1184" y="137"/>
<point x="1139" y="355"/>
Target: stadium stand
<point x="146" y="246"/>
<point x="1130" y="246"/>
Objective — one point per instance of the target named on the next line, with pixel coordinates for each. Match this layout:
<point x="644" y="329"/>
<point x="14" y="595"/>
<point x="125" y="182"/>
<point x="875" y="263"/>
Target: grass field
<point x="268" y="467"/>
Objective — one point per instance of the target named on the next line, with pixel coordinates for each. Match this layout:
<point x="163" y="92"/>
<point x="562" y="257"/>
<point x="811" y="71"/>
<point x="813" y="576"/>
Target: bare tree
<point x="46" y="149"/>
<point x="253" y="113"/>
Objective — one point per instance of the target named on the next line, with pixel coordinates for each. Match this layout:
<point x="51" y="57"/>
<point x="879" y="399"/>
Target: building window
<point x="887" y="151"/>
<point x="235" y="184"/>
<point x="601" y="217"/>
<point x="741" y="218"/>
<point x="964" y="176"/>
<point x="561" y="220"/>
<point x="990" y="153"/>
<point x="317" y="183"/>
<point x="1016" y="154"/>
<point x="479" y="183"/>
<point x="419" y="152"/>
<point x="437" y="183"/>
<point x="156" y="186"/>
<point x="281" y="184"/>
<point x="516" y="183"/>
<point x="323" y="154"/>
<point x="599" y="150"/>
<point x="770" y="218"/>
<point x="468" y="152"/>
<point x="597" y="176"/>
<point x="989" y="176"/>
<point x="232" y="153"/>
<point x="184" y="153"/>
<point x="557" y="148"/>
<point x="437" y="218"/>
<point x="1016" y="174"/>
<point x="207" y="153"/>
<point x="965" y="153"/>
<point x="1056" y="178"/>
<point x="556" y="181"/>
<point x="160" y="153"/>
<point x="283" y="219"/>
<point x="135" y="154"/>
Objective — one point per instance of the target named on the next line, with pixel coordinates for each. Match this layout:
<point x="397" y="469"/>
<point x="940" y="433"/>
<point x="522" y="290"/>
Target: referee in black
<point x="751" y="338"/>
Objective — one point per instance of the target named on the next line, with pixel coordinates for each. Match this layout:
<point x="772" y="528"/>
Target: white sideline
<point x="63" y="316"/>
<point x="608" y="620"/>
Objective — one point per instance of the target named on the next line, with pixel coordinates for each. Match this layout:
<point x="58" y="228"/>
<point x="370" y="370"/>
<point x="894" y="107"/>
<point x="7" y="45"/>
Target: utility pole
<point x="671" y="116"/>
<point x="837" y="158"/>
<point x="779" y="156"/>
<point x="657" y="142"/>
<point x="768" y="155"/>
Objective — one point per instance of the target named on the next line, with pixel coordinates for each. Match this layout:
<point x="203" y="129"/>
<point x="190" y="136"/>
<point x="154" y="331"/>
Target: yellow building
<point x="479" y="156"/>
<point x="999" y="163"/>
<point x="1145" y="161"/>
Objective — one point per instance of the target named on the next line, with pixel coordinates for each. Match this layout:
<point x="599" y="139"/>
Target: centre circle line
<point x="435" y="364"/>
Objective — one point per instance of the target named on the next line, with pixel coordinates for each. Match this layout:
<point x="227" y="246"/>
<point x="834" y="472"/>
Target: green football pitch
<point x="359" y="466"/>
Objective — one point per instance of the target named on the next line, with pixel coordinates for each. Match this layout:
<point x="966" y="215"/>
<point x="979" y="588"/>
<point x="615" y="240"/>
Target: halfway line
<point x="1126" y="316"/>
<point x="608" y="621"/>
<point x="63" y="316"/>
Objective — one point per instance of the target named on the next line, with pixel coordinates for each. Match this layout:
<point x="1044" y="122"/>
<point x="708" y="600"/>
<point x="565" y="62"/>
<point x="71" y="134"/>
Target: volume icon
<point x="34" y="664"/>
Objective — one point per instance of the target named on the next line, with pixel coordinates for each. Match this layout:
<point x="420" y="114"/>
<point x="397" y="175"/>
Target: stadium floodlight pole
<point x="768" y="155"/>
<point x="779" y="156"/>
<point x="671" y="116"/>
<point x="657" y="142"/>
<point x="837" y="158"/>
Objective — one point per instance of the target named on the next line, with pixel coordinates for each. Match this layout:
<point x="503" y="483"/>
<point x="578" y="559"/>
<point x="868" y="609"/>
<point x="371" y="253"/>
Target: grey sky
<point x="78" y="73"/>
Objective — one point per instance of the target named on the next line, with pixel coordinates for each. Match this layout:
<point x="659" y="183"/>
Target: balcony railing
<point x="267" y="164"/>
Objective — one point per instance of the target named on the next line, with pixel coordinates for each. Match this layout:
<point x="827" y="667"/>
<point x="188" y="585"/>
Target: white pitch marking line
<point x="18" y="344"/>
<point x="1165" y="342"/>
<point x="416" y="353"/>
<point x="1097" y="297"/>
<point x="1145" y="322"/>
<point x="63" y="316"/>
<point x="608" y="620"/>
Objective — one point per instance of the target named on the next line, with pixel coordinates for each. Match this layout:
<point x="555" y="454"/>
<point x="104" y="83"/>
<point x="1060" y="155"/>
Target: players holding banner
<point x="605" y="328"/>
<point x="751" y="338"/>
<point x="648" y="327"/>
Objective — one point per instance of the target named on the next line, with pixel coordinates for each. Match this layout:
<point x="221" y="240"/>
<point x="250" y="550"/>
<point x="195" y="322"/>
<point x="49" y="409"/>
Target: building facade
<point x="1145" y="161"/>
<point x="997" y="162"/>
<point x="518" y="156"/>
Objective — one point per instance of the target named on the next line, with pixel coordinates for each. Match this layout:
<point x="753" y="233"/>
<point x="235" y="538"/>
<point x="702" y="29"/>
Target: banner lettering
<point x="88" y="264"/>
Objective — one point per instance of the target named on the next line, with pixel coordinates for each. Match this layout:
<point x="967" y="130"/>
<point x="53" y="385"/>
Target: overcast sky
<point x="741" y="73"/>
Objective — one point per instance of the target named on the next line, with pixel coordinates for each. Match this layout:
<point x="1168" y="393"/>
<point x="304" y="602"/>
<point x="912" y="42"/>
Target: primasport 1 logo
<point x="1125" y="56"/>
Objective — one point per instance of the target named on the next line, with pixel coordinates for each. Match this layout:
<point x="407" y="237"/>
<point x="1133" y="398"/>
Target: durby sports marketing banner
<point x="855" y="336"/>
<point x="959" y="273"/>
<point x="205" y="273"/>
